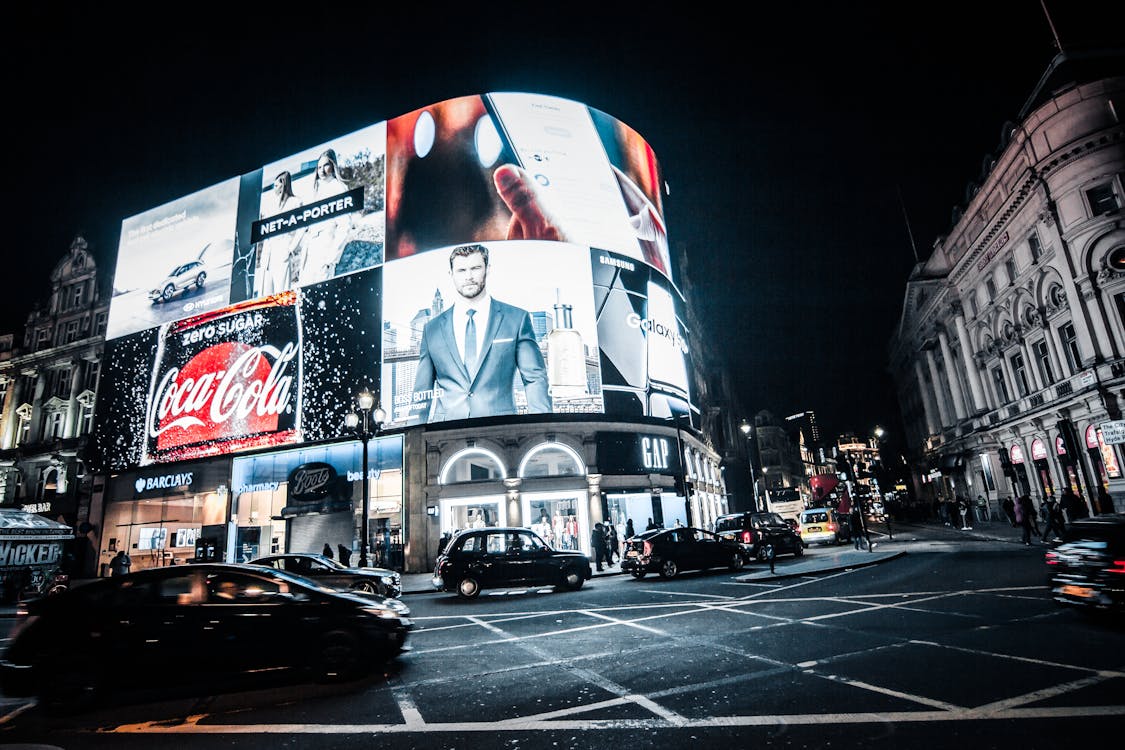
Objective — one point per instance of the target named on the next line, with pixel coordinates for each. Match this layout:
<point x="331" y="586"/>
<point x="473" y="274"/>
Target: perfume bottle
<point x="566" y="357"/>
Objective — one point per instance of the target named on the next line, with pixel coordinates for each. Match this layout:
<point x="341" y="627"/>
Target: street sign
<point x="1113" y="432"/>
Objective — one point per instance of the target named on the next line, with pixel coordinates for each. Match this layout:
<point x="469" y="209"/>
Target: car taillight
<point x="747" y="537"/>
<point x="1117" y="567"/>
<point x="1051" y="558"/>
<point x="647" y="550"/>
<point x="831" y="527"/>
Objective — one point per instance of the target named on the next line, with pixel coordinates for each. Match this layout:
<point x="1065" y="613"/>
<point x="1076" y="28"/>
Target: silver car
<point x="182" y="278"/>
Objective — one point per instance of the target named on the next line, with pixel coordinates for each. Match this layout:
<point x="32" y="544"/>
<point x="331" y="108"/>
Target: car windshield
<point x="728" y="523"/>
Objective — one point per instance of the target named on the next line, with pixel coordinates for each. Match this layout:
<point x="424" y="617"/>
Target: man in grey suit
<point x="470" y="353"/>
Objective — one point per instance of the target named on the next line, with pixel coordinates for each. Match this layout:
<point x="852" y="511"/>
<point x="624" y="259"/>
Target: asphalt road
<point x="954" y="641"/>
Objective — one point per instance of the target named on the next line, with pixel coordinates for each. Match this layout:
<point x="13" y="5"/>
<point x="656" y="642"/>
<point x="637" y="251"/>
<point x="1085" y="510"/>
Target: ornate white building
<point x="1010" y="353"/>
<point x="47" y="395"/>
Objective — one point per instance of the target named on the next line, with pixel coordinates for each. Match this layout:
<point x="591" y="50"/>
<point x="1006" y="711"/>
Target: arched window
<point x="551" y="460"/>
<point x="472" y="465"/>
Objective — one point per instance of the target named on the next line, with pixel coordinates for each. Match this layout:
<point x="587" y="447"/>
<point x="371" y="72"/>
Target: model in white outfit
<point x="281" y="254"/>
<point x="325" y="240"/>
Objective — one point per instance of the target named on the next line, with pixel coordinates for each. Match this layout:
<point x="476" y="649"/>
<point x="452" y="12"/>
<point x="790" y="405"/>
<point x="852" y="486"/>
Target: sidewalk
<point x="818" y="559"/>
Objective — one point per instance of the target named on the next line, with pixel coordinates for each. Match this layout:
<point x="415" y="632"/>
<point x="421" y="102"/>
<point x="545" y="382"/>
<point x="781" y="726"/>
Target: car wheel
<point x="338" y="656"/>
<point x="669" y="569"/>
<point x="468" y="588"/>
<point x="799" y="549"/>
<point x="765" y="552"/>
<point x="200" y="280"/>
<point x="736" y="562"/>
<point x="366" y="587"/>
<point x="572" y="580"/>
<point x="638" y="574"/>
<point x="168" y="293"/>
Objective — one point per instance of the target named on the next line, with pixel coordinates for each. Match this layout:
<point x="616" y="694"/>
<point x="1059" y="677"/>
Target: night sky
<point x="796" y="141"/>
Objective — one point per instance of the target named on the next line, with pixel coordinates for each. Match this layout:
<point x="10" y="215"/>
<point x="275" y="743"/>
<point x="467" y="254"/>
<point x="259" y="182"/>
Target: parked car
<point x="1087" y="568"/>
<point x="824" y="526"/>
<point x="506" y="557"/>
<point x="329" y="572"/>
<point x="760" y="534"/>
<point x="670" y="551"/>
<point x="181" y="279"/>
<point x="205" y="623"/>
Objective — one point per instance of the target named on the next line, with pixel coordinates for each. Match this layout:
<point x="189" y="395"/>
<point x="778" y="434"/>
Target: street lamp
<point x="746" y="430"/>
<point x="365" y="425"/>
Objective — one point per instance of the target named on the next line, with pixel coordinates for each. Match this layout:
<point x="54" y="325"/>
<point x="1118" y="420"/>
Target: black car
<point x="190" y="624"/>
<point x="497" y="557"/>
<point x="1087" y="568"/>
<point x="669" y="551"/>
<point x="325" y="570"/>
<point x="760" y="535"/>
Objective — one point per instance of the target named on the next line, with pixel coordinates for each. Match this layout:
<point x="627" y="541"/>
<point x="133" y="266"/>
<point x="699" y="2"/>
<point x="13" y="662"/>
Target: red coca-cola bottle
<point x="225" y="381"/>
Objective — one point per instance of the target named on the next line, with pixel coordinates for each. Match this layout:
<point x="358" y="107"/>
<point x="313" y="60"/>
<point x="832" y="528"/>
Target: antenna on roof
<point x="906" y="218"/>
<point x="1054" y="31"/>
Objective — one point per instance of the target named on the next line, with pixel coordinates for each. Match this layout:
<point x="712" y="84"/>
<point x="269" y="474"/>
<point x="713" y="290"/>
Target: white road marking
<point x="619" y="621"/>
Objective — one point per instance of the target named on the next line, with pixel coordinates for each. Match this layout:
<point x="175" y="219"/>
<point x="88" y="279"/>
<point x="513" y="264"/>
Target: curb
<point x="757" y="577"/>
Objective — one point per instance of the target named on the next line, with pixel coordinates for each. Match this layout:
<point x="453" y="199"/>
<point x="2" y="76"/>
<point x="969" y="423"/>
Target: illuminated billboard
<point x="484" y="256"/>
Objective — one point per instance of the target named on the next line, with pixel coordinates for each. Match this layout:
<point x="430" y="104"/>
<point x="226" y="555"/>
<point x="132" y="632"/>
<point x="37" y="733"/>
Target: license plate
<point x="631" y="553"/>
<point x="1082" y="592"/>
<point x="813" y="528"/>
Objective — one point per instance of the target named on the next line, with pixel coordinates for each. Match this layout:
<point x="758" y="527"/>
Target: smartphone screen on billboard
<point x="557" y="144"/>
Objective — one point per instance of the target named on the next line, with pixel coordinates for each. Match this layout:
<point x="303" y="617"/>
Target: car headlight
<point x="390" y="609"/>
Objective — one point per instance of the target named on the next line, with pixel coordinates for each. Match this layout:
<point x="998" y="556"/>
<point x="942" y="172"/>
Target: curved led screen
<point x="483" y="256"/>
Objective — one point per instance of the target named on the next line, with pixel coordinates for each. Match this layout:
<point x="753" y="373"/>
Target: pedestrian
<point x="345" y="555"/>
<point x="327" y="551"/>
<point x="1009" y="507"/>
<point x="120" y="564"/>
<point x="1025" y="517"/>
<point x="613" y="543"/>
<point x="855" y="524"/>
<point x="446" y="537"/>
<point x="983" y="514"/>
<point x="1072" y="506"/>
<point x="963" y="511"/>
<point x="1105" y="502"/>
<point x="597" y="544"/>
<point x="629" y="533"/>
<point x="1055" y="521"/>
<point x="651" y="525"/>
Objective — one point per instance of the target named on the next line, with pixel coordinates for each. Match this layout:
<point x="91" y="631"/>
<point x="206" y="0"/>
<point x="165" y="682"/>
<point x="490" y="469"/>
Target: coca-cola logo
<point x="311" y="481"/>
<point x="227" y="390"/>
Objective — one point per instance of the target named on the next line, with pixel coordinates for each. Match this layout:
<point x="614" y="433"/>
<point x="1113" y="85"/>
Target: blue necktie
<point x="470" y="341"/>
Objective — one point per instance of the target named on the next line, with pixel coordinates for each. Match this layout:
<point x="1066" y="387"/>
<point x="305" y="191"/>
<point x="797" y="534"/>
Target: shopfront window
<point x="472" y="513"/>
<point x="159" y="531"/>
<point x="559" y="518"/>
<point x="551" y="460"/>
<point x="473" y="465"/>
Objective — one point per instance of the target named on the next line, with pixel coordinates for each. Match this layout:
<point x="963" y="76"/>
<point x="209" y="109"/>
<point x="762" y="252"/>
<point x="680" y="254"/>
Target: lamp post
<point x="746" y="430"/>
<point x="365" y="425"/>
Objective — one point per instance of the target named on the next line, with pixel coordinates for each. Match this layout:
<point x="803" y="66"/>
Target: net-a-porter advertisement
<point x="487" y="255"/>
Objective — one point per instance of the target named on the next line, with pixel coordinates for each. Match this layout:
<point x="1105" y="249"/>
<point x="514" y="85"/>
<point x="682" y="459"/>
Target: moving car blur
<point x="670" y="551"/>
<point x="505" y="557"/>
<point x="329" y="572"/>
<point x="760" y="534"/>
<point x="1087" y="568"/>
<point x="185" y="625"/>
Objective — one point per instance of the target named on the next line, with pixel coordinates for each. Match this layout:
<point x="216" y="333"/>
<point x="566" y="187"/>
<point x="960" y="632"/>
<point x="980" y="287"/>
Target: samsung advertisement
<point x="485" y="256"/>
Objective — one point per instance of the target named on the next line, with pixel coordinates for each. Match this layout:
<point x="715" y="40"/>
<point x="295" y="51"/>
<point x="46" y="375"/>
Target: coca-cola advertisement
<point x="277" y="370"/>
